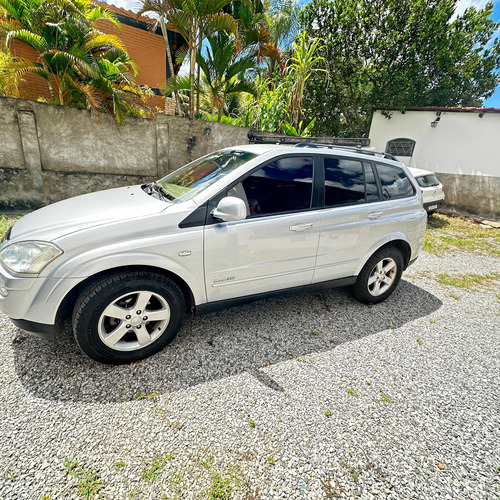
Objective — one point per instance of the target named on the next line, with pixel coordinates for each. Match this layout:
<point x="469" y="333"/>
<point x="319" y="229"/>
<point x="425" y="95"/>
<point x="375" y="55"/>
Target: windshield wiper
<point x="154" y="187"/>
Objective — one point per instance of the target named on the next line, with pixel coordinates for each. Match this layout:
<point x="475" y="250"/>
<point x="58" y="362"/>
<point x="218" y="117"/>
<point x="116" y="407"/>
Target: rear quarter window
<point x="394" y="182"/>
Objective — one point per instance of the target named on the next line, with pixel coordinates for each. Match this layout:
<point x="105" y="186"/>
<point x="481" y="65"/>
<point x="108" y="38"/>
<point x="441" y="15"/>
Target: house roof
<point x="456" y="109"/>
<point x="449" y="109"/>
<point x="120" y="11"/>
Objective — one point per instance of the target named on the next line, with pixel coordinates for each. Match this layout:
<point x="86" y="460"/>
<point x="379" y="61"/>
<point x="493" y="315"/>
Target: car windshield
<point x="427" y="180"/>
<point x="196" y="176"/>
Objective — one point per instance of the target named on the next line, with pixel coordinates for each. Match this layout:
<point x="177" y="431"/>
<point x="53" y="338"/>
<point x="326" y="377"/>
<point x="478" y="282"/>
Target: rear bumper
<point x="38" y="329"/>
<point x="434" y="204"/>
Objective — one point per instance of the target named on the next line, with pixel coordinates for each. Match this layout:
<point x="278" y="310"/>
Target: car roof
<point x="260" y="149"/>
<point x="417" y="172"/>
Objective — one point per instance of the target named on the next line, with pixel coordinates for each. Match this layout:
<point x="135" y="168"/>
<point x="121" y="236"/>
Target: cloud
<point x="133" y="5"/>
<point x="463" y="5"/>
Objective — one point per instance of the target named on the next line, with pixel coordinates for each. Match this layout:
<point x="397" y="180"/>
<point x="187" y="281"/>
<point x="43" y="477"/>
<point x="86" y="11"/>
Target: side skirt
<point x="224" y="304"/>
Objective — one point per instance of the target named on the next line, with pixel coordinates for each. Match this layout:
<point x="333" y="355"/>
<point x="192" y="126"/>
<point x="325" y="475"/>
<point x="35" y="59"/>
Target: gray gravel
<point x="304" y="396"/>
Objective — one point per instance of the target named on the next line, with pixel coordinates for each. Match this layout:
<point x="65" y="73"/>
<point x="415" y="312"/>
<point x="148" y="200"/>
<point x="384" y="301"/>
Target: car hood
<point x="83" y="212"/>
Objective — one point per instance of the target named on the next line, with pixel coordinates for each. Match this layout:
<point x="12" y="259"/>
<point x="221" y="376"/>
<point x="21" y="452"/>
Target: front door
<point x="275" y="246"/>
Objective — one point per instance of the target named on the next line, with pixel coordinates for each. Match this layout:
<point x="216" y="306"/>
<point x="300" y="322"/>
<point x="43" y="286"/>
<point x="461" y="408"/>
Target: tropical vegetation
<point x="392" y="54"/>
<point x="270" y="65"/>
<point x="82" y="66"/>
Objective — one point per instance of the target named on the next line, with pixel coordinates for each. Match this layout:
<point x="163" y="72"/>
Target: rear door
<point x="352" y="202"/>
<point x="363" y="203"/>
<point x="275" y="246"/>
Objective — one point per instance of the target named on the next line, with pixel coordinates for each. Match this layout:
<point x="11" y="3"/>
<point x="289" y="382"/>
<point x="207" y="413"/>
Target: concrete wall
<point x="462" y="149"/>
<point x="49" y="153"/>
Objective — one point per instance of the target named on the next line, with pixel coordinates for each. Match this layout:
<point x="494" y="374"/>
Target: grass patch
<point x="5" y="222"/>
<point x="119" y="464"/>
<point x="446" y="234"/>
<point x="151" y="471"/>
<point x="385" y="398"/>
<point x="468" y="281"/>
<point x="221" y="487"/>
<point x="88" y="482"/>
<point x="352" y="392"/>
<point x="222" y="481"/>
<point x="142" y="395"/>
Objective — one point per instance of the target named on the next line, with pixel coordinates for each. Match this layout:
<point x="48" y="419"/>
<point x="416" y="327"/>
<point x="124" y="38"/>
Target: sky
<point x="493" y="101"/>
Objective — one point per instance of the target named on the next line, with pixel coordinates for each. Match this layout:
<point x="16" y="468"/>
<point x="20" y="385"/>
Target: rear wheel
<point x="380" y="276"/>
<point x="126" y="317"/>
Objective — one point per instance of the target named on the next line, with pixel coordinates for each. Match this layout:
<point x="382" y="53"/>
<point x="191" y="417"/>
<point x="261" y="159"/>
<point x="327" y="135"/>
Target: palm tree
<point x="195" y="20"/>
<point x="282" y="20"/>
<point x="162" y="8"/>
<point x="82" y="66"/>
<point x="223" y="72"/>
<point x="303" y="63"/>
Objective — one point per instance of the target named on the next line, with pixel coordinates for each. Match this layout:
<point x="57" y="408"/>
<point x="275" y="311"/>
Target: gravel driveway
<point x="303" y="396"/>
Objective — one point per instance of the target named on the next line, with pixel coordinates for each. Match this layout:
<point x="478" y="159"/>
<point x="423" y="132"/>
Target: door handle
<point x="374" y="215"/>
<point x="301" y="227"/>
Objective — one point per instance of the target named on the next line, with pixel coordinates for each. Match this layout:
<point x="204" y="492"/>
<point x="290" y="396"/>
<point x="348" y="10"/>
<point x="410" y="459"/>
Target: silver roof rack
<point x="355" y="149"/>
<point x="354" y="144"/>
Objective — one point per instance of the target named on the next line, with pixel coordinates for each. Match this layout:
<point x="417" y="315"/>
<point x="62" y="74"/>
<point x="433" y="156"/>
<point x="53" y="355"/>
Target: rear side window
<point x="283" y="185"/>
<point x="344" y="182"/>
<point x="427" y="181"/>
<point x="394" y="182"/>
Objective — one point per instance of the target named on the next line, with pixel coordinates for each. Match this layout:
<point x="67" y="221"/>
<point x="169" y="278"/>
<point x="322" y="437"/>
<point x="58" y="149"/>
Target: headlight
<point x="28" y="257"/>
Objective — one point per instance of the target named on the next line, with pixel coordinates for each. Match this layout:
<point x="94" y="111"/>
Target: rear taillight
<point x="442" y="187"/>
<point x="422" y="191"/>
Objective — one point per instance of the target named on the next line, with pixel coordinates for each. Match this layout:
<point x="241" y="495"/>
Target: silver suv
<point x="125" y="265"/>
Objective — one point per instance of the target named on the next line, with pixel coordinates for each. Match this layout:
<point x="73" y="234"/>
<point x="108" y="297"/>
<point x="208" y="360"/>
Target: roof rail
<point x="256" y="138"/>
<point x="356" y="149"/>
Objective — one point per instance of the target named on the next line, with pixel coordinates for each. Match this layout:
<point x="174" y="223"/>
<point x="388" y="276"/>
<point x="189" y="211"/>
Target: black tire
<point x="91" y="327"/>
<point x="365" y="291"/>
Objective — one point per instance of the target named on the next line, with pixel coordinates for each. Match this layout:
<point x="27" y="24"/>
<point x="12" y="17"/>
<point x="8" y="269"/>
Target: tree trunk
<point x="170" y="63"/>
<point x="192" y="70"/>
<point x="198" y="91"/>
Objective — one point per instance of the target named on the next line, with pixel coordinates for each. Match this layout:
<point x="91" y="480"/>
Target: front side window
<point x="344" y="182"/>
<point x="196" y="176"/>
<point x="284" y="185"/>
<point x="400" y="147"/>
<point x="394" y="182"/>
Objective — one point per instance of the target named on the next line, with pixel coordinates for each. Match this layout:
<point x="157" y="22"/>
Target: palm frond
<point x="35" y="41"/>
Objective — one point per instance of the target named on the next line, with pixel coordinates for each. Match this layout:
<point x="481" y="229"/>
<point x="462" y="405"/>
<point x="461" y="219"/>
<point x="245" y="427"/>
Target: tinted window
<point x="344" y="182"/>
<point x="372" y="193"/>
<point x="427" y="181"/>
<point x="393" y="182"/>
<point x="281" y="186"/>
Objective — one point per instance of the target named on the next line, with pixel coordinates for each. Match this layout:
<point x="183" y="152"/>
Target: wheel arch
<point x="67" y="305"/>
<point x="398" y="242"/>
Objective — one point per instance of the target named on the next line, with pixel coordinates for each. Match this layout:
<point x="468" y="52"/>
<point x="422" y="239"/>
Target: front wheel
<point x="380" y="276"/>
<point x="126" y="317"/>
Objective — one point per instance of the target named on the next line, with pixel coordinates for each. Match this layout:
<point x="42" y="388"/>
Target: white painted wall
<point x="461" y="143"/>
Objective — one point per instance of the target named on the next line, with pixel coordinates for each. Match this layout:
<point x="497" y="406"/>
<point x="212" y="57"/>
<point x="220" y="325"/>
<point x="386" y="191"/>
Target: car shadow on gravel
<point x="216" y="345"/>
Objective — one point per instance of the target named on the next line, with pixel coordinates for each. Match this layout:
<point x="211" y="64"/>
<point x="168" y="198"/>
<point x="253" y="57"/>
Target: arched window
<point x="400" y="147"/>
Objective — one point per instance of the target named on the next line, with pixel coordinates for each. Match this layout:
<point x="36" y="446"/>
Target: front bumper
<point x="32" y="302"/>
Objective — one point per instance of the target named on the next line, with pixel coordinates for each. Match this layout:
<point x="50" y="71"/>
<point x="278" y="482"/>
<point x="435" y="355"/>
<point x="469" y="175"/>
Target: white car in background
<point x="432" y="189"/>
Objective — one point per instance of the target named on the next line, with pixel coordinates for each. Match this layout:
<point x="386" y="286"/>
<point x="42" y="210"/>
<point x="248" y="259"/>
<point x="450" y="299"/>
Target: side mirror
<point x="230" y="209"/>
